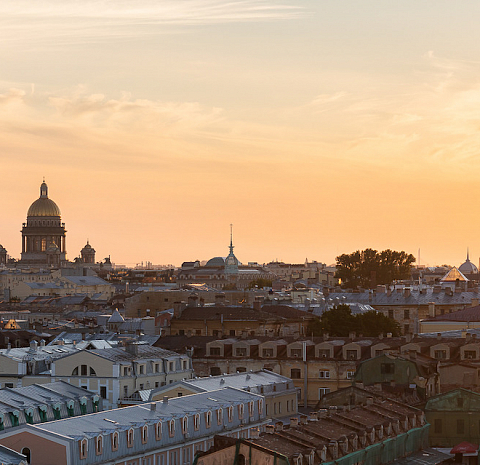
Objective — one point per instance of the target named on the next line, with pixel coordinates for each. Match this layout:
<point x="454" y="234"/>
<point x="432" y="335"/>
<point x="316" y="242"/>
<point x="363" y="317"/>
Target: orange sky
<point x="315" y="127"/>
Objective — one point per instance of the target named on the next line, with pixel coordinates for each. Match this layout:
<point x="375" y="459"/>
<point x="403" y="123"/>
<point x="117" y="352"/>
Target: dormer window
<point x="230" y="413"/>
<point x="83" y="448"/>
<point x="296" y="353"/>
<point x="208" y="419"/>
<point x="260" y="406"/>
<point x="114" y="441"/>
<point x="130" y="437"/>
<point x="171" y="428"/>
<point x="251" y="409"/>
<point x="219" y="416"/>
<point x="240" y="351"/>
<point x="99" y="445"/>
<point x="184" y="424"/>
<point x="241" y="410"/>
<point x="144" y="434"/>
<point x="196" y="422"/>
<point x="158" y="431"/>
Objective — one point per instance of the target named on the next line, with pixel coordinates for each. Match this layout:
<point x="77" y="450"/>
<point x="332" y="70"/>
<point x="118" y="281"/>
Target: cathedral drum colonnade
<point x="44" y="234"/>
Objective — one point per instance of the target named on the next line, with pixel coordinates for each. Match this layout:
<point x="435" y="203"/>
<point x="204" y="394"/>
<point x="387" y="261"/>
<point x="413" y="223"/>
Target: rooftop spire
<point x="231" y="239"/>
<point x="468" y="255"/>
<point x="43" y="189"/>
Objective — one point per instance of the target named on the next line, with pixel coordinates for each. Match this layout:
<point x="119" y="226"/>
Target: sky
<point x="315" y="127"/>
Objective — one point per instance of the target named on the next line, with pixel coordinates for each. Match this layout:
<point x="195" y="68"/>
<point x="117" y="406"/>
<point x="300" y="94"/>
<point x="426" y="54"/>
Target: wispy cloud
<point x="97" y="20"/>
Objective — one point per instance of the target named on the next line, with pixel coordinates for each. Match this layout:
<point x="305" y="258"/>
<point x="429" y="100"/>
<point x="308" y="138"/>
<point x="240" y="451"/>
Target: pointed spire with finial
<point x="468" y="254"/>
<point x="231" y="239"/>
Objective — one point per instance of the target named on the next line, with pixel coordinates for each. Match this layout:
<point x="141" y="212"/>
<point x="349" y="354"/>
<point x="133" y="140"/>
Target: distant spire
<point x="468" y="255"/>
<point x="231" y="238"/>
<point x="43" y="189"/>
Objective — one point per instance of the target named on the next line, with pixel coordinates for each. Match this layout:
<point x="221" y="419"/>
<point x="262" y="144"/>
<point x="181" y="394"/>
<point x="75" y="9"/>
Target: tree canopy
<point x="367" y="268"/>
<point x="339" y="321"/>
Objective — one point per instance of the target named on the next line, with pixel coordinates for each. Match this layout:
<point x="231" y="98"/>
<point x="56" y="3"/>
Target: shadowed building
<point x="3" y="255"/>
<point x="88" y="253"/>
<point x="44" y="234"/>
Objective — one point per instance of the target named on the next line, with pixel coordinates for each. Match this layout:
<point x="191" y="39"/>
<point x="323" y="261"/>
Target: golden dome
<point x="43" y="206"/>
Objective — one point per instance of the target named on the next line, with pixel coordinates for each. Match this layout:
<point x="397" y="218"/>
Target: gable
<point x="456" y="400"/>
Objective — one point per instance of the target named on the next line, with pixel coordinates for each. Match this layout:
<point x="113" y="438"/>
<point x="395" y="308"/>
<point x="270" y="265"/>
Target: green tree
<point x="368" y="267"/>
<point x="339" y="321"/>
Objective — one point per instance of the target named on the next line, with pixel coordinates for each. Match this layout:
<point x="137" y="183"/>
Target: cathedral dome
<point x="468" y="267"/>
<point x="43" y="206"/>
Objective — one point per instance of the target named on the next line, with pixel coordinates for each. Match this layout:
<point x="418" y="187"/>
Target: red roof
<point x="464" y="448"/>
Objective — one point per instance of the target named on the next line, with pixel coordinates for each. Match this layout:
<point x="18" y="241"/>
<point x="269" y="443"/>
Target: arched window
<point x="171" y="428"/>
<point x="99" y="444"/>
<point x="130" y="437"/>
<point x="158" y="431"/>
<point x="251" y="409"/>
<point x="208" y="418"/>
<point x="260" y="406"/>
<point x="184" y="424"/>
<point x="26" y="453"/>
<point x="230" y="413"/>
<point x="144" y="434"/>
<point x="196" y="422"/>
<point x="241" y="409"/>
<point x="83" y="448"/>
<point x="220" y="416"/>
<point x="75" y="371"/>
<point x="115" y="441"/>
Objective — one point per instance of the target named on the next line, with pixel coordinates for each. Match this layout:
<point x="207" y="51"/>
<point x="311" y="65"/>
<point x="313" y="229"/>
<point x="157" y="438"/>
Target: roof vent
<point x="165" y="399"/>
<point x="222" y="381"/>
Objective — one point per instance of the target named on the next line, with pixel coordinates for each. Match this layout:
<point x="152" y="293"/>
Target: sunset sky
<point x="316" y="127"/>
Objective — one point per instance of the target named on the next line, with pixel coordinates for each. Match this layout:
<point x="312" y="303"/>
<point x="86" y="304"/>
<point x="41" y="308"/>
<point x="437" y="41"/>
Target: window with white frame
<point x="260" y="406"/>
<point x="130" y="437"/>
<point x="324" y="374"/>
<point x="184" y="424"/>
<point x="241" y="409"/>
<point x="230" y="413"/>
<point x="171" y="428"/>
<point x="99" y="444"/>
<point x="83" y="448"/>
<point x="114" y="441"/>
<point x="251" y="409"/>
<point x="208" y="419"/>
<point x="220" y="416"/>
<point x="196" y="422"/>
<point x="350" y="374"/>
<point x="322" y="392"/>
<point x="144" y="434"/>
<point x="158" y="431"/>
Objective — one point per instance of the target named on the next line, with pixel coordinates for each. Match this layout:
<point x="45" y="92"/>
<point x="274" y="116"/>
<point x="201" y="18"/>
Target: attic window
<point x="387" y="368"/>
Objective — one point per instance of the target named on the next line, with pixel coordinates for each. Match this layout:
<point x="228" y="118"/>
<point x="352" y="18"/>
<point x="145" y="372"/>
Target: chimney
<point x="351" y="335"/>
<point x="389" y="292"/>
<point x="258" y="303"/>
<point x="381" y="289"/>
<point x="278" y="426"/>
<point x="254" y="433"/>
<point x="475" y="302"/>
<point x="467" y="336"/>
<point x="303" y="419"/>
<point x="313" y="416"/>
<point x="193" y="300"/>
<point x="407" y="292"/>
<point x="293" y="422"/>
<point x="270" y="429"/>
<point x="33" y="346"/>
<point x="439" y="336"/>
<point x="153" y="406"/>
<point x="431" y="309"/>
<point x="322" y="413"/>
<point x="412" y="354"/>
<point x="131" y="348"/>
<point x="220" y="299"/>
<point x="326" y="336"/>
<point x="369" y="400"/>
<point x="165" y="399"/>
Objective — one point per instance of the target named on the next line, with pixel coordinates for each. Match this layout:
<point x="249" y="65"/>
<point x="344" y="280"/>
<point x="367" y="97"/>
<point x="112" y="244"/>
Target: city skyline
<point x="316" y="128"/>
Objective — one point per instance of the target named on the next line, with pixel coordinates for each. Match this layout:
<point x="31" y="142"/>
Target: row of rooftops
<point x="337" y="348"/>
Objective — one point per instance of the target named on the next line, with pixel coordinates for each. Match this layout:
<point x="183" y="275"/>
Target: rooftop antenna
<point x="231" y="238"/>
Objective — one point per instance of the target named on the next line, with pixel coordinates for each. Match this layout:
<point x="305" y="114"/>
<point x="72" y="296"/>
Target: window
<point x="103" y="392"/>
<point x="141" y="369"/>
<point x="324" y="353"/>
<point x="378" y="352"/>
<point x="295" y="373"/>
<point x="114" y="441"/>
<point x="144" y="434"/>
<point x="98" y="445"/>
<point x="350" y="374"/>
<point x="171" y="428"/>
<point x="390" y="314"/>
<point x="241" y="369"/>
<point x="26" y="452"/>
<point x="460" y="426"/>
<point x="240" y="351"/>
<point x="158" y="430"/>
<point x="157" y="367"/>
<point x="219" y="416"/>
<point x="230" y="413"/>
<point x="196" y="422"/>
<point x="351" y="355"/>
<point x="324" y="374"/>
<point x="251" y="408"/>
<point x="184" y="424"/>
<point x="171" y="366"/>
<point x="215" y="371"/>
<point x="92" y="372"/>
<point x="267" y="352"/>
<point x="260" y="406"/>
<point x="406" y="314"/>
<point x="241" y="410"/>
<point x="437" y="425"/>
<point x="460" y="402"/>
<point x="75" y="371"/>
<point x="232" y="332"/>
<point x="208" y="419"/>
<point x="185" y="364"/>
<point x="84" y="370"/>
<point x="83" y="449"/>
<point x="387" y="368"/>
<point x="440" y="354"/>
<point x="130" y="437"/>
<point x="214" y="350"/>
<point x="470" y="354"/>
<point x="322" y="392"/>
<point x="295" y="352"/>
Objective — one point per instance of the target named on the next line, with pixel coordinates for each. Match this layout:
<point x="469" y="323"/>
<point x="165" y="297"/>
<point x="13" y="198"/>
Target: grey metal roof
<point x="124" y="418"/>
<point x="11" y="457"/>
<point x="427" y="456"/>
<point x="144" y="351"/>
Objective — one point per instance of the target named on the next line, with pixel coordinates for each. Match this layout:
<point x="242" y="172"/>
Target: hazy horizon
<point x="316" y="127"/>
